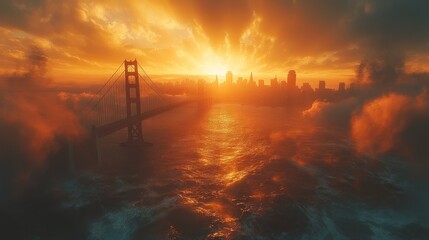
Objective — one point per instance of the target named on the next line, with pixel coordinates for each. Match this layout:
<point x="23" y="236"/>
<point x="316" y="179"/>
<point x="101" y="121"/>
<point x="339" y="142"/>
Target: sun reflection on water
<point x="224" y="150"/>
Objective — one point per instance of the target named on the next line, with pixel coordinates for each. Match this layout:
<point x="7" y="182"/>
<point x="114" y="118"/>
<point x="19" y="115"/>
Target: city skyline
<point x="284" y="82"/>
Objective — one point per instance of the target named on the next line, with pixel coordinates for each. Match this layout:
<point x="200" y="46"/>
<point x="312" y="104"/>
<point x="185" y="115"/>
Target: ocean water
<point x="242" y="172"/>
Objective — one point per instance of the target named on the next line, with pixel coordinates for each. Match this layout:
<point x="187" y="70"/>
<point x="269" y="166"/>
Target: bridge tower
<point x="132" y="94"/>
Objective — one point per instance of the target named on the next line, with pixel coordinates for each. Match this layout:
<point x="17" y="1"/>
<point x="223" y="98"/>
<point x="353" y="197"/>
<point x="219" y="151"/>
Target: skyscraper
<point x="322" y="85"/>
<point x="291" y="79"/>
<point x="306" y="87"/>
<point x="341" y="87"/>
<point x="251" y="82"/>
<point x="228" y="79"/>
<point x="274" y="83"/>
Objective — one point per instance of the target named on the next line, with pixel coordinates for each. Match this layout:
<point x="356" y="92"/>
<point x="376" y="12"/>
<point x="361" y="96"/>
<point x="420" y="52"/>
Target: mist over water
<point x="237" y="172"/>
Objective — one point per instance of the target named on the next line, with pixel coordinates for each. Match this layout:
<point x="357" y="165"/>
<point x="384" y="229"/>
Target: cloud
<point x="393" y="123"/>
<point x="33" y="123"/>
<point x="385" y="115"/>
<point x="36" y="116"/>
<point x="38" y="120"/>
<point x="332" y="114"/>
<point x="315" y="109"/>
<point x="246" y="35"/>
<point x="32" y="73"/>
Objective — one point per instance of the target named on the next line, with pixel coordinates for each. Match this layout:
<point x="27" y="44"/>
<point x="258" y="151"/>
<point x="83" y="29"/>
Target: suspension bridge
<point x="127" y="98"/>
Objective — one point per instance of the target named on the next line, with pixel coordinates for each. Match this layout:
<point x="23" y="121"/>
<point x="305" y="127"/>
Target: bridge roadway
<point x="107" y="129"/>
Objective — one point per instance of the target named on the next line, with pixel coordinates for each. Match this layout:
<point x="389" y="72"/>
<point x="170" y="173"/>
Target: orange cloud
<point x="315" y="109"/>
<point x="374" y="130"/>
<point x="392" y="123"/>
<point x="39" y="120"/>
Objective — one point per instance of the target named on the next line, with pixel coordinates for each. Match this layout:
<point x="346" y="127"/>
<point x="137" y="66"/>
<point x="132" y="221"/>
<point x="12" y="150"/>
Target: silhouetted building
<point x="291" y="79"/>
<point x="306" y="87"/>
<point x="307" y="95"/>
<point x="322" y="85"/>
<point x="279" y="94"/>
<point x="341" y="87"/>
<point x="251" y="82"/>
<point x="228" y="79"/>
<point x="274" y="83"/>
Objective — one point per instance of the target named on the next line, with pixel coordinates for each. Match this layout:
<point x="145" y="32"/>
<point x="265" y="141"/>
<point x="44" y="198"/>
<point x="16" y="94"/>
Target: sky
<point x="320" y="39"/>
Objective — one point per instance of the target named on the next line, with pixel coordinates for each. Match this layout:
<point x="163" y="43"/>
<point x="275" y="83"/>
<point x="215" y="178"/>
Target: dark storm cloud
<point x="331" y="25"/>
<point x="396" y="24"/>
<point x="388" y="31"/>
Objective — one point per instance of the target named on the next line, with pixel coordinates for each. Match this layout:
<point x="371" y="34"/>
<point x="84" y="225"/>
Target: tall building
<point x="291" y="79"/>
<point x="274" y="82"/>
<point x="322" y="85"/>
<point x="239" y="81"/>
<point x="251" y="82"/>
<point x="306" y="87"/>
<point x="341" y="87"/>
<point x="228" y="79"/>
<point x="261" y="83"/>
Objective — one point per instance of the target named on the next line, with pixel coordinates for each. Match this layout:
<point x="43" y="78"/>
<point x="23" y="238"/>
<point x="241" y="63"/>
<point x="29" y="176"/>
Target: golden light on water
<point x="223" y="154"/>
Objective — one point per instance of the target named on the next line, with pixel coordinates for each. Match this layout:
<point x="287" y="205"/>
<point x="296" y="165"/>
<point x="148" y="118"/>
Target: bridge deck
<point x="107" y="129"/>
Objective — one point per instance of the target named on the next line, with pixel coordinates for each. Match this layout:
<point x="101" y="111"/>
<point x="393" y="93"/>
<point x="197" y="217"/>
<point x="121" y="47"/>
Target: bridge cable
<point x="101" y="89"/>
<point x="158" y="91"/>
<point x="152" y="87"/>
<point x="108" y="90"/>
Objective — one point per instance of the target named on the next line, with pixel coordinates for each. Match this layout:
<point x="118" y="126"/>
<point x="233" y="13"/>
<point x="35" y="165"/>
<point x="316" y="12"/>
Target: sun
<point x="213" y="64"/>
<point x="214" y="69"/>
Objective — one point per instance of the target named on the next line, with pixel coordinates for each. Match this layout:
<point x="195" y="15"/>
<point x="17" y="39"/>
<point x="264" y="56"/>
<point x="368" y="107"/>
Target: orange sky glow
<point x="87" y="40"/>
